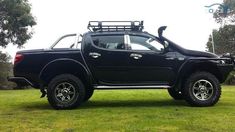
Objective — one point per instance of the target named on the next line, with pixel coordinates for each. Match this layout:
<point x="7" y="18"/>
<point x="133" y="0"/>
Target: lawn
<point x="120" y="110"/>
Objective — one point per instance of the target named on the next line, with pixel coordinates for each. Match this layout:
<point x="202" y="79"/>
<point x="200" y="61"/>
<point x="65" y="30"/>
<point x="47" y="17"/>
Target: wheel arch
<point x="193" y="66"/>
<point x="65" y="66"/>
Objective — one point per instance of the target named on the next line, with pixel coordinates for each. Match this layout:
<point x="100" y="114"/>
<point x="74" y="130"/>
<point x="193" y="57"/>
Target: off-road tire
<point x="193" y="89"/>
<point x="57" y="83"/>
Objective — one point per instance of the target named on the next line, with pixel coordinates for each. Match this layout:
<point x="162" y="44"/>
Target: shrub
<point x="230" y="79"/>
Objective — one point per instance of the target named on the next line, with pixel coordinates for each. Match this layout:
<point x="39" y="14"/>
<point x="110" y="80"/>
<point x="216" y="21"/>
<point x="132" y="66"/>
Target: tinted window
<point x="109" y="42"/>
<point x="145" y="43"/>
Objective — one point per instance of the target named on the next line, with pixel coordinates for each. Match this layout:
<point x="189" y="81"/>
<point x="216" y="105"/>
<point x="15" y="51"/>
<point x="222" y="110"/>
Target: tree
<point x="4" y="58"/>
<point x="228" y="13"/>
<point x="224" y="40"/>
<point x="16" y="22"/>
<point x="5" y="67"/>
<point x="224" y="37"/>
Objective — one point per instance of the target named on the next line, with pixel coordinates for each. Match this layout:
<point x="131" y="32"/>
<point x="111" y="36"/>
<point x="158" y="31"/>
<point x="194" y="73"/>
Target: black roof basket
<point x="100" y="26"/>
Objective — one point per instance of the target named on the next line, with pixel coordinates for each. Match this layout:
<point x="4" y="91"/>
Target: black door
<point x="148" y="63"/>
<point x="107" y="58"/>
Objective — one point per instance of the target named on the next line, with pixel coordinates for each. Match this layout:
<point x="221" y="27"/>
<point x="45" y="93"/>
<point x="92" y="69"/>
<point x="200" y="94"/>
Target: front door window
<point x="145" y="43"/>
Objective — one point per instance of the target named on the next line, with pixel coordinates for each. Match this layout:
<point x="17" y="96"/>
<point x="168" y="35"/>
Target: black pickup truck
<point x="120" y="55"/>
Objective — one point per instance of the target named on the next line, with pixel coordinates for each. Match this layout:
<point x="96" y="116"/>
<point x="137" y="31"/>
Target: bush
<point x="6" y="70"/>
<point x="230" y="79"/>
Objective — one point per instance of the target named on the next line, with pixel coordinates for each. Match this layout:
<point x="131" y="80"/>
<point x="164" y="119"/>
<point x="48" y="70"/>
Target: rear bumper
<point x="20" y="81"/>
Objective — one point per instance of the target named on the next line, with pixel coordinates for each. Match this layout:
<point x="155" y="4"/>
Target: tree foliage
<point x="4" y="58"/>
<point x="227" y="15"/>
<point x="5" y="70"/>
<point x="224" y="37"/>
<point x="224" y="40"/>
<point x="16" y="22"/>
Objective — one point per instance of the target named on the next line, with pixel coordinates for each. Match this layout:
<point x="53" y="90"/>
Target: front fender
<point x="192" y="65"/>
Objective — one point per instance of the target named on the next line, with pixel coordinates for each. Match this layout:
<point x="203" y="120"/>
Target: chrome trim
<point x="76" y="40"/>
<point x="203" y="58"/>
<point x="58" y="40"/>
<point x="136" y="56"/>
<point x="128" y="42"/>
<point x="170" y="58"/>
<point x="126" y="39"/>
<point x="181" y="58"/>
<point x="134" y="87"/>
<point x="94" y="55"/>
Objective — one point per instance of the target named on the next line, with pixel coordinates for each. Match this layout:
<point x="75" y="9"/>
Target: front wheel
<point x="202" y="89"/>
<point x="65" y="92"/>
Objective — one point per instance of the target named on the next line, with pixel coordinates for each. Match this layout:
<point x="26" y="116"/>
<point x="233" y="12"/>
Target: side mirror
<point x="166" y="46"/>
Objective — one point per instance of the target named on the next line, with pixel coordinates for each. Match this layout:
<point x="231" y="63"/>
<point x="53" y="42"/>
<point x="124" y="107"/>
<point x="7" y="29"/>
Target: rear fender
<point x="65" y="66"/>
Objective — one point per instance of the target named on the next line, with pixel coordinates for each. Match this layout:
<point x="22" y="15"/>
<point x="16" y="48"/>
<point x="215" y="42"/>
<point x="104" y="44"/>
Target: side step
<point x="134" y="87"/>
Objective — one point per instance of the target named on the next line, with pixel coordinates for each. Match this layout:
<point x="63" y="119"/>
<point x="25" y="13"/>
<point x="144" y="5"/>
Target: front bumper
<point x="20" y="81"/>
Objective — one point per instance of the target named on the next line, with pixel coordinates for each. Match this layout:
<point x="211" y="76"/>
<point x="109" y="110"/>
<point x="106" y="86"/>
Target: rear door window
<point x="112" y="42"/>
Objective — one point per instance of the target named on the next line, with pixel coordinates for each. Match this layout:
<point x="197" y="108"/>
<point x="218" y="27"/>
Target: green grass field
<point x="120" y="110"/>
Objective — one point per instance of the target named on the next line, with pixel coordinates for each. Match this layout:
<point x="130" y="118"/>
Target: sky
<point x="188" y="22"/>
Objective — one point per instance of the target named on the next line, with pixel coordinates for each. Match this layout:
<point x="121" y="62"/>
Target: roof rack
<point x="100" y="26"/>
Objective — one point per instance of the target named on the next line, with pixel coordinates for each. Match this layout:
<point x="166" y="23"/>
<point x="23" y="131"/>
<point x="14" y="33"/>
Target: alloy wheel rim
<point x="65" y="92"/>
<point x="202" y="90"/>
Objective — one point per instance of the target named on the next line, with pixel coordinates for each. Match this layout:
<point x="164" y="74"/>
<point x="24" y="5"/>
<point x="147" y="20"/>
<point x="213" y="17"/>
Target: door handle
<point x="136" y="56"/>
<point x="170" y="58"/>
<point x="94" y="55"/>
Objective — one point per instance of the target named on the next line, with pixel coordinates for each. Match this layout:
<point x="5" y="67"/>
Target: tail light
<point x="18" y="58"/>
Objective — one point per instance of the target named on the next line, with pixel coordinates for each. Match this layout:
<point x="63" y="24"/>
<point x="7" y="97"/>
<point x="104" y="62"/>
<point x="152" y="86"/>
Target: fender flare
<point x="192" y="65"/>
<point x="61" y="66"/>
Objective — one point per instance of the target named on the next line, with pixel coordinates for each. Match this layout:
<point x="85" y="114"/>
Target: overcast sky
<point x="189" y="22"/>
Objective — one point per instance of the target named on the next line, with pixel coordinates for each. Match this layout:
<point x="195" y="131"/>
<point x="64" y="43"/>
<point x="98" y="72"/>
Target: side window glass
<point x="109" y="41"/>
<point x="145" y="43"/>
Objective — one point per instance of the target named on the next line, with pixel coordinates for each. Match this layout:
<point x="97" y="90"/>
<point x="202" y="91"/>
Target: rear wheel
<point x="175" y="94"/>
<point x="65" y="92"/>
<point x="202" y="89"/>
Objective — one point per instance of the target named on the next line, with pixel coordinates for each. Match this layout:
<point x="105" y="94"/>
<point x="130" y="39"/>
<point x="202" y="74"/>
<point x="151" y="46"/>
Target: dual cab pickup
<point x="119" y="56"/>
